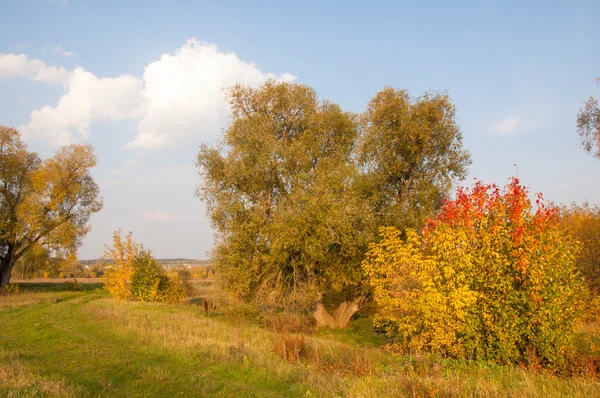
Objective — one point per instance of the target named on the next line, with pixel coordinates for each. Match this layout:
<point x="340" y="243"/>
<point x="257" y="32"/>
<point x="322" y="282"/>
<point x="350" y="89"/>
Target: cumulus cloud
<point x="61" y="50"/>
<point x="506" y="126"/>
<point x="87" y="99"/>
<point x="166" y="216"/>
<point x="19" y="65"/>
<point x="184" y="97"/>
<point x="179" y="99"/>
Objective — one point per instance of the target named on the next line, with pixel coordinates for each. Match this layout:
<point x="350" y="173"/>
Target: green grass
<point x="61" y="343"/>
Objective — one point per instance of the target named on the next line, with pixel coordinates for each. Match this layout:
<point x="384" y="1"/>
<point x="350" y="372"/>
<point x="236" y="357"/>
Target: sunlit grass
<point x="87" y="344"/>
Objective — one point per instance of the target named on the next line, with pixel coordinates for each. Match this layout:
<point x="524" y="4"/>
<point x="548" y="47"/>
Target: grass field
<point x="85" y="344"/>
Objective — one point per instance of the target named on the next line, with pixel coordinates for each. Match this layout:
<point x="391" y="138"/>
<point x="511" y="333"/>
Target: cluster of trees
<point x="312" y="204"/>
<point x="39" y="263"/>
<point x="298" y="188"/>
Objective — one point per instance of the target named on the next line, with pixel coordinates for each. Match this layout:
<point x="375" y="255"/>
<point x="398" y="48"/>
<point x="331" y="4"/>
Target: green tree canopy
<point x="410" y="152"/>
<point x="43" y="203"/>
<point x="280" y="194"/>
<point x="297" y="187"/>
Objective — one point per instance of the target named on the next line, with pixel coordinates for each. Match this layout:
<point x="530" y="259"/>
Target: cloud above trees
<point x="178" y="99"/>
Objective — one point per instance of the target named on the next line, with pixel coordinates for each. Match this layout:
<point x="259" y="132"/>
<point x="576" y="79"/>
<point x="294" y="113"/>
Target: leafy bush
<point x="583" y="223"/>
<point x="136" y="275"/>
<point x="488" y="279"/>
<point x="11" y="288"/>
<point x="73" y="286"/>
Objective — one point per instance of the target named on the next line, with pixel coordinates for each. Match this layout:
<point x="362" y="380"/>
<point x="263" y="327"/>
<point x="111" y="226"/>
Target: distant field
<point x="79" y="280"/>
<point x="55" y="280"/>
<point x="60" y="343"/>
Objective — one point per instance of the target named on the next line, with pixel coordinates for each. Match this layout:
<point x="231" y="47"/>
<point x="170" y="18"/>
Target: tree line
<point x="319" y="211"/>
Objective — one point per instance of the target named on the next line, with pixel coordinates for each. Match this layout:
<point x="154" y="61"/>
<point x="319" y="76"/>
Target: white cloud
<point x="166" y="216"/>
<point x="184" y="93"/>
<point x="178" y="101"/>
<point x="19" y="65"/>
<point x="507" y="126"/>
<point x="87" y="99"/>
<point x="61" y="50"/>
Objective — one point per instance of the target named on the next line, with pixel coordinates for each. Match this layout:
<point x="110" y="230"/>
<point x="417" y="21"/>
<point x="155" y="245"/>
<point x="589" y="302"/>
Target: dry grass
<point x="328" y="367"/>
<point x="27" y="298"/>
<point x="17" y="381"/>
<point x="226" y="345"/>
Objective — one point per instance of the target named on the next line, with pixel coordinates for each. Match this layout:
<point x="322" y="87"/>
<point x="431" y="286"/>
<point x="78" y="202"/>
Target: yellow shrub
<point x="487" y="279"/>
<point x="136" y="275"/>
<point x="118" y="275"/>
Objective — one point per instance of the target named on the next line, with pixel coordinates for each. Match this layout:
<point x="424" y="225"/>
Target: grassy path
<point x="62" y="341"/>
<point x="85" y="344"/>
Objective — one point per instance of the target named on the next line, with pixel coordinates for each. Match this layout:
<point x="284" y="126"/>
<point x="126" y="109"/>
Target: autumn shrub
<point x="490" y="278"/>
<point x="136" y="275"/>
<point x="11" y="288"/>
<point x="582" y="222"/>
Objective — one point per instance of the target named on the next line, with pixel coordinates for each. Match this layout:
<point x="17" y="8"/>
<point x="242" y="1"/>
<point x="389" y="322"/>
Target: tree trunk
<point x="341" y="316"/>
<point x="6" y="265"/>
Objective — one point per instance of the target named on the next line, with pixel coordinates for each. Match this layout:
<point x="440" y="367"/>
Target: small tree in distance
<point x="488" y="278"/>
<point x="588" y="125"/>
<point x="136" y="275"/>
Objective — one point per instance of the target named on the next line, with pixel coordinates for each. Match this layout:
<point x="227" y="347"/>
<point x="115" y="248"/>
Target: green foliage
<point x="136" y="275"/>
<point x="488" y="279"/>
<point x="411" y="152"/>
<point x="146" y="279"/>
<point x="298" y="187"/>
<point x="280" y="196"/>
<point x="73" y="286"/>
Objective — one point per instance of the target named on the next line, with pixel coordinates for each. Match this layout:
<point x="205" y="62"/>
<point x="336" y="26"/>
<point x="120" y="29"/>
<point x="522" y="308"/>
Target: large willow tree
<point x="43" y="203"/>
<point x="297" y="188"/>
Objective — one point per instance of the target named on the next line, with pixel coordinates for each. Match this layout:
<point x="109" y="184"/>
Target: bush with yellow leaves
<point x="136" y="275"/>
<point x="487" y="279"/>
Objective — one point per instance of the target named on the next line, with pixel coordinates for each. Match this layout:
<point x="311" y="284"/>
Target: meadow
<point x="56" y="342"/>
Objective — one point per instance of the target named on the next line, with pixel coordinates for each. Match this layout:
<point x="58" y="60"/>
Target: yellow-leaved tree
<point x="43" y="203"/>
<point x="118" y="275"/>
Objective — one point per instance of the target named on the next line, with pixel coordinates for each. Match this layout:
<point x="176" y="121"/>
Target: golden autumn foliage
<point x="489" y="278"/>
<point x="582" y="222"/>
<point x="136" y="275"/>
<point x="117" y="278"/>
<point x="44" y="204"/>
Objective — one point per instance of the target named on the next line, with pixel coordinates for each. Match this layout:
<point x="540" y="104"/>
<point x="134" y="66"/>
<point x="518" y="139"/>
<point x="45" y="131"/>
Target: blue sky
<point x="140" y="81"/>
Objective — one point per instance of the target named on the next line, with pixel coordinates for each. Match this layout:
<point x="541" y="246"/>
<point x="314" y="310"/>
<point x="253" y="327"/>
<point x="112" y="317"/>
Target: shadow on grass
<point x="42" y="287"/>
